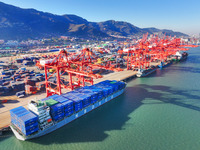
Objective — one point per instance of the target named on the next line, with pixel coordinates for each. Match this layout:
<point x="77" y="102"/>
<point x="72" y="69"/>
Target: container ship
<point x="146" y="72"/>
<point x="48" y="114"/>
<point x="180" y="56"/>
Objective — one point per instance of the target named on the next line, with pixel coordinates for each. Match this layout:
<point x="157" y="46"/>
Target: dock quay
<point x="119" y="76"/>
<point x="5" y="129"/>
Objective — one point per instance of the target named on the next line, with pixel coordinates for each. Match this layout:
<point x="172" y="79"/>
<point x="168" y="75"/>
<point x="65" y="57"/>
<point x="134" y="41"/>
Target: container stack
<point x="30" y="89"/>
<point x="57" y="112"/>
<point x="113" y="85"/>
<point x="19" y="60"/>
<point x="15" y="81"/>
<point x="69" y="108"/>
<point x="93" y="95"/>
<point x="85" y="98"/>
<point x="105" y="90"/>
<point x="96" y="90"/>
<point x="67" y="104"/>
<point x="18" y="86"/>
<point x="24" y="120"/>
<point x="78" y="104"/>
<point x="40" y="86"/>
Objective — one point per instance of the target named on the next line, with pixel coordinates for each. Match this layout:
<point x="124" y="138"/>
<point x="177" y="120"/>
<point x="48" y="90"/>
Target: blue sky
<point x="178" y="15"/>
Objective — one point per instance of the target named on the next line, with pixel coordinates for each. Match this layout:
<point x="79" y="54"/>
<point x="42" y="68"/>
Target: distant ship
<point x="146" y="72"/>
<point x="180" y="56"/>
<point x="49" y="114"/>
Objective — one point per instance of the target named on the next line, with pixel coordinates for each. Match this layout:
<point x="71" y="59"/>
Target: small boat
<point x="146" y="72"/>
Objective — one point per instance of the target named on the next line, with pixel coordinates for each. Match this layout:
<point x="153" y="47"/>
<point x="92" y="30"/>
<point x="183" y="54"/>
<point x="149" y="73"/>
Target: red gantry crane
<point x="71" y="72"/>
<point x="65" y="74"/>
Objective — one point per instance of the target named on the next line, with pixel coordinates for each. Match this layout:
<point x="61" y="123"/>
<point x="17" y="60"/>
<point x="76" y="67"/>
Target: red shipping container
<point x="30" y="89"/>
<point x="30" y="82"/>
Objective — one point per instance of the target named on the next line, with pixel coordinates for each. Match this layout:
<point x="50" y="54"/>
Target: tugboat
<point x="145" y="72"/>
<point x="180" y="56"/>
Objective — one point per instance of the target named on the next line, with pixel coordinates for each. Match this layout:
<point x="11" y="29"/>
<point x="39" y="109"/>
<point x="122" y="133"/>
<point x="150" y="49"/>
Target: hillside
<point x="18" y="23"/>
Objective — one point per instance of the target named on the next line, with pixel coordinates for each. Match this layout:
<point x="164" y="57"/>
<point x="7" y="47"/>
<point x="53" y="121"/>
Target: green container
<point x="113" y="82"/>
<point x="50" y="102"/>
<point x="40" y="103"/>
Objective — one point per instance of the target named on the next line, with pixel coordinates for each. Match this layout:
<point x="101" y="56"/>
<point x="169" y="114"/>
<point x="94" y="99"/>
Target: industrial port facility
<point x="35" y="76"/>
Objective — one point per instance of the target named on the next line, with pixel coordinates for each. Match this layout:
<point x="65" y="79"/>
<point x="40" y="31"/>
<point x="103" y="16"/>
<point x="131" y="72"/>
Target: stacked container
<point x="93" y="95"/>
<point x="57" y="112"/>
<point x="113" y="86"/>
<point x="85" y="98"/>
<point x="78" y="104"/>
<point x="96" y="90"/>
<point x="40" y="86"/>
<point x="30" y="89"/>
<point x="106" y="90"/>
<point x="67" y="104"/>
<point x="24" y="120"/>
<point x="68" y="107"/>
<point x="18" y="86"/>
<point x="19" y="60"/>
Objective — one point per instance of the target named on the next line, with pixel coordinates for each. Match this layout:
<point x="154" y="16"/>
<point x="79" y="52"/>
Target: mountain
<point x="164" y="31"/>
<point x="18" y="23"/>
<point x="121" y="28"/>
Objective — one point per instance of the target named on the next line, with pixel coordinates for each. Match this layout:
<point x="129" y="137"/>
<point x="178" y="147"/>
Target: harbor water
<point x="159" y="112"/>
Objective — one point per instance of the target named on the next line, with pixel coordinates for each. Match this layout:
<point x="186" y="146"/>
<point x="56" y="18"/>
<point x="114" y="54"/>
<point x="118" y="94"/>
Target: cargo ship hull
<point x="66" y="120"/>
<point x="145" y="73"/>
<point x="180" y="57"/>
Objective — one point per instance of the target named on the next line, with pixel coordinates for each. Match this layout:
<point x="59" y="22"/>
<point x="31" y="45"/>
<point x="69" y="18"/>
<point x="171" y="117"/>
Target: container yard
<point x="37" y="76"/>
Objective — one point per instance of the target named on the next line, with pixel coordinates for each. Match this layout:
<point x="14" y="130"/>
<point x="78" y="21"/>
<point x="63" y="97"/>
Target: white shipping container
<point x="47" y="61"/>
